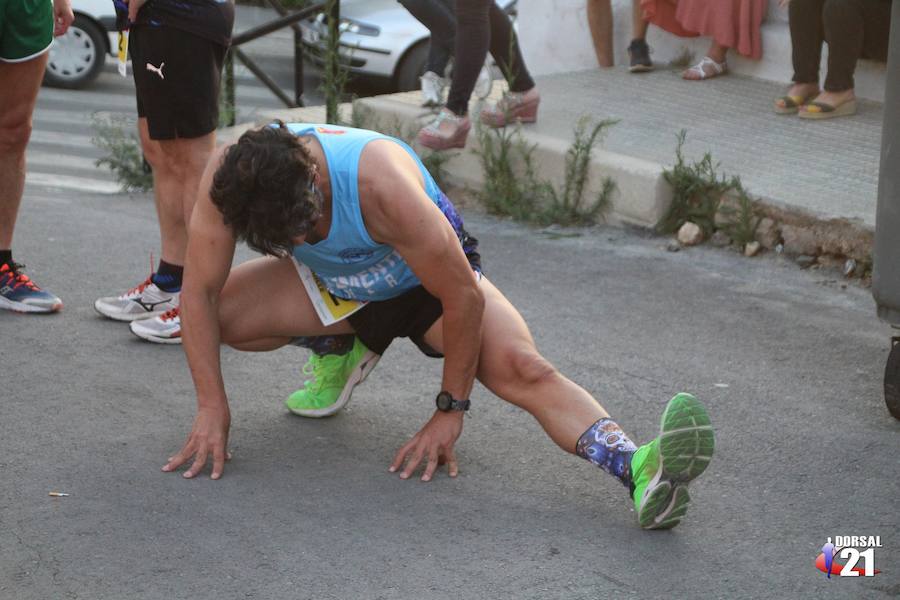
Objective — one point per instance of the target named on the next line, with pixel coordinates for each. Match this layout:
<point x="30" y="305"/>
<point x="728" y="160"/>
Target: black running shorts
<point x="176" y="76"/>
<point x="409" y="315"/>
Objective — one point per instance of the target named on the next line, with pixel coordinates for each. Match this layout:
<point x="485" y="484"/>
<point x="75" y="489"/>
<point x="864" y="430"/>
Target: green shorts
<point x="26" y="29"/>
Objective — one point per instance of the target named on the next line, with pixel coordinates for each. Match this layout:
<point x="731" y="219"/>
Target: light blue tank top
<point x="348" y="261"/>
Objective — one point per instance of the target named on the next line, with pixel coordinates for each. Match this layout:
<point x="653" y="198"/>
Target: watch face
<point x="444" y="401"/>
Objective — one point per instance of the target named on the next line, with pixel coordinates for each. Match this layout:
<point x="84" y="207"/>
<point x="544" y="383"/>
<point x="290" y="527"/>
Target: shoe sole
<point x="778" y="110"/>
<point x="128" y="318"/>
<point x="21" y="307"/>
<point x="155" y="339"/>
<point x="524" y="113"/>
<point x="640" y="69"/>
<point x="844" y="110"/>
<point x="357" y="376"/>
<point x="686" y="445"/>
<point x="458" y="140"/>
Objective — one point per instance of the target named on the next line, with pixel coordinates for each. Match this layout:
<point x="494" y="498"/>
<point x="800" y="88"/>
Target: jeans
<point x="480" y="25"/>
<point x="440" y="19"/>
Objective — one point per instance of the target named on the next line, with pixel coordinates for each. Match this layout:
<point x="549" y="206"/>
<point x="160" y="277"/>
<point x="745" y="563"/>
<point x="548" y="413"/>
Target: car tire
<point x="76" y="58"/>
<point x="411" y="67"/>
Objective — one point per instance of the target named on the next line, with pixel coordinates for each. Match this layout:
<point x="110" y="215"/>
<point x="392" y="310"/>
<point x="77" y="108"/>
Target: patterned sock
<point x="326" y="344"/>
<point x="168" y="277"/>
<point x="605" y="445"/>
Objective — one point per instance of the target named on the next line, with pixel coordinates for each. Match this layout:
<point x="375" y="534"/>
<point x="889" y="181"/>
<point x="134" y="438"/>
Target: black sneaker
<point x="639" y="53"/>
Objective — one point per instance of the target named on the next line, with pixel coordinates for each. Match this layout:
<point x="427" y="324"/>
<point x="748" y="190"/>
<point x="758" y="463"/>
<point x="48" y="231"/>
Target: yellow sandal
<point x="790" y="104"/>
<point x="820" y="110"/>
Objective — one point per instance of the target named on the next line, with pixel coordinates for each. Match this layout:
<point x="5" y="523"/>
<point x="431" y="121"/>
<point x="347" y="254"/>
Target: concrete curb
<point x="642" y="194"/>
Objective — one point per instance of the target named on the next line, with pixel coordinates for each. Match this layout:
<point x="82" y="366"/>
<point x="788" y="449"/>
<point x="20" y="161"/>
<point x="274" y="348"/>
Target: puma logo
<point x="157" y="70"/>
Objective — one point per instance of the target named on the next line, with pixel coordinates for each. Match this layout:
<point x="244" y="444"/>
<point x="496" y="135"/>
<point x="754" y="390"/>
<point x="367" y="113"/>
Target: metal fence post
<point x="230" y="104"/>
<point x="332" y="61"/>
<point x="298" y="67"/>
<point x="886" y="273"/>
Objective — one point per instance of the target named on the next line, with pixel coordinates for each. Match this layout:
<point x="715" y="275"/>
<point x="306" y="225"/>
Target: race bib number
<point x="123" y="53"/>
<point x="330" y="308"/>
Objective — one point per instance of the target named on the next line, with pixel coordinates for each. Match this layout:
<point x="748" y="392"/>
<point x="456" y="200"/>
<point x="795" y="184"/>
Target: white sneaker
<point x="164" y="329"/>
<point x="432" y="89"/>
<point x="484" y="83"/>
<point x="141" y="302"/>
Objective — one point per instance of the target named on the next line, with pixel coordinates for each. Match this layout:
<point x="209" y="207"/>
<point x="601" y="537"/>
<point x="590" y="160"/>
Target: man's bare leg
<point x="20" y="83"/>
<point x="638" y="50"/>
<point x="639" y="24"/>
<point x="600" y="21"/>
<point x="656" y="474"/>
<point x="263" y="306"/>
<point x="177" y="167"/>
<point x="512" y="368"/>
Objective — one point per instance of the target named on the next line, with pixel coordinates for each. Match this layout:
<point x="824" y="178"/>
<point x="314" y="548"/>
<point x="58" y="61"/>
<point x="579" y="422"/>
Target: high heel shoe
<point x="514" y="107"/>
<point x="446" y="131"/>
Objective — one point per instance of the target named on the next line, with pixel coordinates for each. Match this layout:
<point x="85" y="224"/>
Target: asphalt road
<point x="789" y="364"/>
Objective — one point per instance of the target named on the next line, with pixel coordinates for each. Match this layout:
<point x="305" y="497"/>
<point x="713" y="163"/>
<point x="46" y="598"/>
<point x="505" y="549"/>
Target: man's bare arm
<point x="403" y="216"/>
<point x="209" y="254"/>
<point x="398" y="212"/>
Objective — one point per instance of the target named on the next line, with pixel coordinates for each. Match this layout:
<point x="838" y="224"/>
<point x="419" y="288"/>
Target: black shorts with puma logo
<point x="176" y="77"/>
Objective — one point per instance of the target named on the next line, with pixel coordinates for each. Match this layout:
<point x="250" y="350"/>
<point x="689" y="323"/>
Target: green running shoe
<point x="332" y="382"/>
<point x="662" y="469"/>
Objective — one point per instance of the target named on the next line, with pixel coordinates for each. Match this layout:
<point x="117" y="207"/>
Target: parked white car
<point x="378" y="38"/>
<point x="77" y="57"/>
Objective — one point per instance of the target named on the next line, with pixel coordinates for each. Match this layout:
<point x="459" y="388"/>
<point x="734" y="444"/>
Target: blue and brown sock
<point x="326" y="344"/>
<point x="607" y="446"/>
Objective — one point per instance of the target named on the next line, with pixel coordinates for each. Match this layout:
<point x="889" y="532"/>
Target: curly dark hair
<point x="263" y="188"/>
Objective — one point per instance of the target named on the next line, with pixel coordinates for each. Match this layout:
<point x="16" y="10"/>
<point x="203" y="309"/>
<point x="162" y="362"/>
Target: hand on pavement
<point x="208" y="437"/>
<point x="433" y="442"/>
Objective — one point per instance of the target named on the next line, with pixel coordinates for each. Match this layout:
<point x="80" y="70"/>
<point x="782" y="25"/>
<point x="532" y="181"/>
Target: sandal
<point x="521" y="107"/>
<point x="700" y="69"/>
<point x="435" y="137"/>
<point x="821" y="110"/>
<point x="790" y="104"/>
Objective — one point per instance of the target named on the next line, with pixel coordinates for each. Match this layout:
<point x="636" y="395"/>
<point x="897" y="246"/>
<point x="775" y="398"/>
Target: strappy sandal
<point x="821" y="110"/>
<point x="790" y="104"/>
<point x="514" y="107"/>
<point x="434" y="137"/>
<point x="700" y="68"/>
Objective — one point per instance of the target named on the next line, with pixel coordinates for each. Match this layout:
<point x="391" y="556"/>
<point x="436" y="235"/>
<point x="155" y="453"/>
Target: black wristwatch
<point x="446" y="403"/>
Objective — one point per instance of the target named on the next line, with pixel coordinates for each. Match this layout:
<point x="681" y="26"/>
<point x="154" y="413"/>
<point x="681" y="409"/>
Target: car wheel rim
<point x="72" y="55"/>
